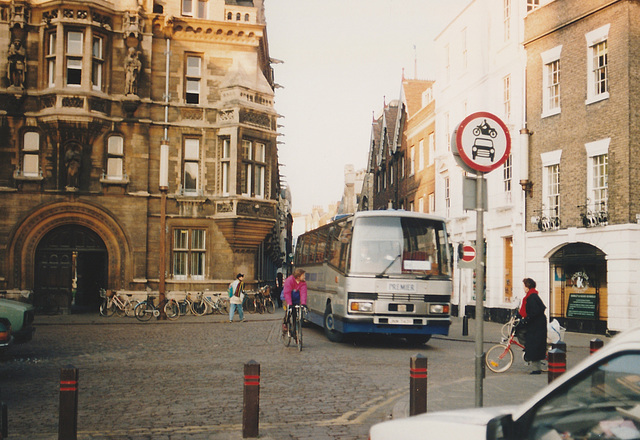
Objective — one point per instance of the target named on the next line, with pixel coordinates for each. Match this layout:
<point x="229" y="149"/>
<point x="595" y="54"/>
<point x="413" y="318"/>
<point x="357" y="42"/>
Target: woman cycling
<point x="294" y="292"/>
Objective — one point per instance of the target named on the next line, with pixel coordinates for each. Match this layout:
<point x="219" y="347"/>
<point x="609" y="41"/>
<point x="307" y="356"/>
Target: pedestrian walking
<point x="278" y="290"/>
<point x="236" y="295"/>
<point x="534" y="322"/>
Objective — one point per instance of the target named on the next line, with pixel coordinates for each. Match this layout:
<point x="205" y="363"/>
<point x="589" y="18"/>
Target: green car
<point x="21" y="317"/>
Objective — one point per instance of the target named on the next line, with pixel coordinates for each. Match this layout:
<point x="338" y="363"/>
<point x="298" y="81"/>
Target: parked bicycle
<point x="262" y="301"/>
<point x="185" y="305"/>
<point x="148" y="309"/>
<point x="499" y="358"/>
<point x="292" y="326"/>
<point x="115" y="303"/>
<point x="209" y="303"/>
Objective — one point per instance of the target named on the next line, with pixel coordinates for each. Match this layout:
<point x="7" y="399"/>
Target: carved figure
<point x="132" y="71"/>
<point x="17" y="64"/>
<point x="72" y="160"/>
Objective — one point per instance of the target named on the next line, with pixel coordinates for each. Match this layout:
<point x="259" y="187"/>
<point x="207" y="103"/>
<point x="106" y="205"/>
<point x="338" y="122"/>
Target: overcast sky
<point x="342" y="59"/>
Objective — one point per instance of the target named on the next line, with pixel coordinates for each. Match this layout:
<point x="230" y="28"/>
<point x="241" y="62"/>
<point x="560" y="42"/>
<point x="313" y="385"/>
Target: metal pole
<point x="479" y="287"/>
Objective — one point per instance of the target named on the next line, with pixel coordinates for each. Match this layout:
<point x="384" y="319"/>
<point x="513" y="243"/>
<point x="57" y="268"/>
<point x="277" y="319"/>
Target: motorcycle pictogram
<point x="485" y="129"/>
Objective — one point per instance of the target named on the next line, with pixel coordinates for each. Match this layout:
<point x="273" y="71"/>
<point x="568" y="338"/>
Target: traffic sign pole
<point x="480" y="257"/>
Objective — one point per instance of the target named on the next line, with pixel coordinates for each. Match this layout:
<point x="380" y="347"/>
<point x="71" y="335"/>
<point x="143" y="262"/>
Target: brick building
<point x="138" y="147"/>
<point x="401" y="152"/>
<point x="582" y="113"/>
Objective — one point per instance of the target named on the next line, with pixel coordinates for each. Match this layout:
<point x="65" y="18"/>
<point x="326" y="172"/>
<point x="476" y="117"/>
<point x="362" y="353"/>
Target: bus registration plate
<point x="401" y="321"/>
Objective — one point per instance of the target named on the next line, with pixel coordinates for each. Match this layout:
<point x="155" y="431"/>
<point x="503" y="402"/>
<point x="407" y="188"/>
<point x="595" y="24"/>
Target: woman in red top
<point x="535" y="323"/>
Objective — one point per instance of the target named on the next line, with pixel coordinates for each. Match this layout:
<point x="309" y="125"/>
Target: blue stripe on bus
<point x="434" y="328"/>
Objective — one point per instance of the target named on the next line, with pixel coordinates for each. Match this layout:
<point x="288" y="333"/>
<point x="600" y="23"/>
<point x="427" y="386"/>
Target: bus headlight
<point x="439" y="309"/>
<point x="361" y="306"/>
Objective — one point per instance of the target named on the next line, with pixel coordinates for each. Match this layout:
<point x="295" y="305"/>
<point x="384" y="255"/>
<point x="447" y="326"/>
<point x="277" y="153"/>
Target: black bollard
<point x="68" y="417"/>
<point x="251" y="400"/>
<point x="595" y="345"/>
<point x="418" y="385"/>
<point x="557" y="364"/>
<point x="465" y="325"/>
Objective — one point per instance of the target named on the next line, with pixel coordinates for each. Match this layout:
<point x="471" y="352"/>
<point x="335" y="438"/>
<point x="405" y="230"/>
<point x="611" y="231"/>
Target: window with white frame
<point x="551" y="184"/>
<point x="115" y="157"/>
<point x="420" y="155"/>
<point x="188" y="253"/>
<point x="432" y="202"/>
<point x="598" y="175"/>
<point x="226" y="166"/>
<point x="391" y="174"/>
<point x="260" y="167"/>
<point x="464" y="49"/>
<point x="506" y="96"/>
<point x="532" y="5"/>
<point x="191" y="166"/>
<point x="194" y="8"/>
<point x="74" y="57"/>
<point x="421" y="204"/>
<point x="193" y="77"/>
<point x="507" y="176"/>
<point x="412" y="161"/>
<point x="402" y="167"/>
<point x="432" y="148"/>
<point x="506" y="19"/>
<point x="97" y="62"/>
<point x="551" y="81"/>
<point x="447" y="196"/>
<point x="597" y="64"/>
<point x="31" y="154"/>
<point x="51" y="59"/>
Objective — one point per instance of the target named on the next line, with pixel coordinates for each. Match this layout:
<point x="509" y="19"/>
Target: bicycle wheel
<point x="299" y="330"/>
<point x="249" y="305"/>
<point x="121" y="311"/>
<point x="269" y="306"/>
<point x="286" y="333"/>
<point x="223" y="306"/>
<point x="172" y="310"/>
<point x="184" y="306"/>
<point x="144" y="311"/>
<point x="506" y="329"/>
<point x="199" y="307"/>
<point x="129" y="307"/>
<point x="499" y="358"/>
<point x="107" y="308"/>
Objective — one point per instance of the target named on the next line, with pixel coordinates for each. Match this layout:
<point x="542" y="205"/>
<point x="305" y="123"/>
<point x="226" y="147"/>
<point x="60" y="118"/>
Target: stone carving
<point x="17" y="64"/>
<point x="73" y="162"/>
<point x="132" y="71"/>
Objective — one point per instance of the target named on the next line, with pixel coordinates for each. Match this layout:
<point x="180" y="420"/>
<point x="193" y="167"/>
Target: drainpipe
<point x="164" y="181"/>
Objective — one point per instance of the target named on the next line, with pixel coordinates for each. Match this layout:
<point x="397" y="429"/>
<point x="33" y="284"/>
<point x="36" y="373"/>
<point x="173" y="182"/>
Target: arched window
<point x="246" y="17"/>
<point x="238" y="16"/>
<point x="229" y="16"/>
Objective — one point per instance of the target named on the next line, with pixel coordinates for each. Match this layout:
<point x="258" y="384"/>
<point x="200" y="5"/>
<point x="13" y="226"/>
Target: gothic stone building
<point x="137" y="147"/>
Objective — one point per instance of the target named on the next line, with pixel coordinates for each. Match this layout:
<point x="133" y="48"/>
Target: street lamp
<point x="164" y="186"/>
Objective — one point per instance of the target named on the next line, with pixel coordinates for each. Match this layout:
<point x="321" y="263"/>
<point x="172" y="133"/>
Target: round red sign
<point x="468" y="253"/>
<point x="483" y="141"/>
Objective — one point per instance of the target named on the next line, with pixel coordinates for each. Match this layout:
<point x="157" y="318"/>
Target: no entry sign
<point x="468" y="254"/>
<point x="483" y="141"/>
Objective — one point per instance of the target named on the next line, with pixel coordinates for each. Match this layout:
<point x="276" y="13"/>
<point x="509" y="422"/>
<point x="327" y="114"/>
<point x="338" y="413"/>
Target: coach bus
<point x="385" y="272"/>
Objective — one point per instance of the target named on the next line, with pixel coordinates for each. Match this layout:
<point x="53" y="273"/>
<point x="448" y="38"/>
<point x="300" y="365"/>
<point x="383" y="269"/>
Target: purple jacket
<point x="291" y="284"/>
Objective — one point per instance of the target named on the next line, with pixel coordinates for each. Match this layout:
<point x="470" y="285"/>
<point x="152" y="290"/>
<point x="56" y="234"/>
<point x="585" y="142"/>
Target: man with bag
<point x="236" y="295"/>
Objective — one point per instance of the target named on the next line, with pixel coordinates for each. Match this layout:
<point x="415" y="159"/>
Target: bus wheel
<point x="330" y="333"/>
<point x="417" y="339"/>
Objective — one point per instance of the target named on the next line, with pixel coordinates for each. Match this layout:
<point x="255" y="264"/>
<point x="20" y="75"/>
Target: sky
<point x="343" y="59"/>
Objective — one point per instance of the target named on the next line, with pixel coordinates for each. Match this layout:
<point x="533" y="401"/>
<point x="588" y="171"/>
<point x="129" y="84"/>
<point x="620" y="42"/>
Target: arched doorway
<point x="578" y="297"/>
<point x="71" y="265"/>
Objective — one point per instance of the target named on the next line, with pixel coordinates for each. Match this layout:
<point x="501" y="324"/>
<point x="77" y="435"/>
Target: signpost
<point x="483" y="143"/>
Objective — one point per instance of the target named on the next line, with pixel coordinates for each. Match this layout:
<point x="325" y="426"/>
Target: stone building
<point x="584" y="156"/>
<point x="138" y="147"/>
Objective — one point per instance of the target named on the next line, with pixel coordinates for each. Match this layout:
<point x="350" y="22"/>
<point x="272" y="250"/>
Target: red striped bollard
<point x="418" y="385"/>
<point x="557" y="364"/>
<point x="68" y="417"/>
<point x="595" y="345"/>
<point x="251" y="400"/>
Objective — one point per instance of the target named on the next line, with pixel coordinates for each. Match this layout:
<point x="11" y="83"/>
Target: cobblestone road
<point x="184" y="379"/>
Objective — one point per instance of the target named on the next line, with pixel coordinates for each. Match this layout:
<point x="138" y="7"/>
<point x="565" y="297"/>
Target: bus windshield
<point x="393" y="246"/>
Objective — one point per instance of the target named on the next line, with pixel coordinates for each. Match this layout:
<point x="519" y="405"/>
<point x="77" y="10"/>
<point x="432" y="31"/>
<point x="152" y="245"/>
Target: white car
<point x="597" y="399"/>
